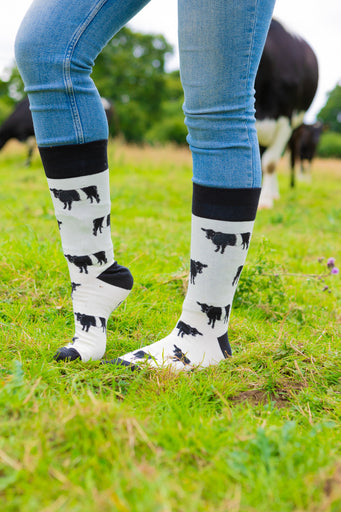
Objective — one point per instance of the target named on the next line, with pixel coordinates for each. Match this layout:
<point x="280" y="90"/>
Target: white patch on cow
<point x="266" y="129"/>
<point x="106" y="103"/>
<point x="278" y="144"/>
<point x="269" y="191"/>
<point x="297" y="119"/>
<point x="280" y="135"/>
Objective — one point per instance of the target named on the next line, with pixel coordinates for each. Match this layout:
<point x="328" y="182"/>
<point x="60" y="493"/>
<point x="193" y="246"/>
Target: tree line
<point x="147" y="100"/>
<point x="129" y="72"/>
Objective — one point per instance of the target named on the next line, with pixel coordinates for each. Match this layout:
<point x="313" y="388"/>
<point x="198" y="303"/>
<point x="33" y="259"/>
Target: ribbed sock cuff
<point x="229" y="204"/>
<point x="74" y="160"/>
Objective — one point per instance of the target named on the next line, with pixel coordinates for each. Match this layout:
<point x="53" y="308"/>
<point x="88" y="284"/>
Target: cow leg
<point x="305" y="172"/>
<point x="293" y="153"/>
<point x="292" y="177"/>
<point x="270" y="158"/>
<point x="308" y="171"/>
<point x="269" y="192"/>
<point x="29" y="157"/>
<point x="31" y="143"/>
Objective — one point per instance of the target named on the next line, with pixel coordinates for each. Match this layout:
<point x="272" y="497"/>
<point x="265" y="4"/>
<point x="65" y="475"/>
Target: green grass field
<point x="259" y="433"/>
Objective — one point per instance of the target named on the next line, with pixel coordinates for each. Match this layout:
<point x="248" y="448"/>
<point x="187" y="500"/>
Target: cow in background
<point x="302" y="146"/>
<point x="19" y="125"/>
<point x="285" y="87"/>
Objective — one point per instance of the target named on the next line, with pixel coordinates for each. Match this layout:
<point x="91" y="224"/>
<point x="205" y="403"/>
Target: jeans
<point x="220" y="43"/>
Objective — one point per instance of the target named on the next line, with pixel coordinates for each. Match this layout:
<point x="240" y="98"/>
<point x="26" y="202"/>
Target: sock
<point x="222" y="224"/>
<point x="78" y="179"/>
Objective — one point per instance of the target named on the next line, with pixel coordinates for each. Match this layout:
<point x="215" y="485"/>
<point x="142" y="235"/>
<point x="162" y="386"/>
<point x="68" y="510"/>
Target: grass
<point x="260" y="432"/>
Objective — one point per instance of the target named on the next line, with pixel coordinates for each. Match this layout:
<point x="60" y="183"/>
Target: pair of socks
<point x="222" y="224"/>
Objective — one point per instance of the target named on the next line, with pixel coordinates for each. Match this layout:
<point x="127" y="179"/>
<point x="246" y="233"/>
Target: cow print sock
<point x="78" y="179"/>
<point x="222" y="224"/>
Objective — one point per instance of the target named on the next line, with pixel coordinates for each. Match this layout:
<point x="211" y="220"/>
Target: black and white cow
<point x="19" y="125"/>
<point x="302" y="145"/>
<point x="285" y="87"/>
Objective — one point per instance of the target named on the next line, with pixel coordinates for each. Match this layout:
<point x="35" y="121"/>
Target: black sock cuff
<point x="74" y="160"/>
<point x="229" y="204"/>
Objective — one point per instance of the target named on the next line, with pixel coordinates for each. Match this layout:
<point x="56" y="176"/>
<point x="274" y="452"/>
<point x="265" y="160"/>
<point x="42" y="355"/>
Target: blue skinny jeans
<point x="220" y="43"/>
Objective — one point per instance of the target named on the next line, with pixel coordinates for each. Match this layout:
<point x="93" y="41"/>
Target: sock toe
<point x="66" y="354"/>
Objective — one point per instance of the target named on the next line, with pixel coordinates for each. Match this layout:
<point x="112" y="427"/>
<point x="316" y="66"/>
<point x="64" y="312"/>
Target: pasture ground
<point x="259" y="433"/>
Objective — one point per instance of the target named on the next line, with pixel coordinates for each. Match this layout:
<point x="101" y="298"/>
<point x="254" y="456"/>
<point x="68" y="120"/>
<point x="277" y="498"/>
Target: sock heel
<point x="117" y="275"/>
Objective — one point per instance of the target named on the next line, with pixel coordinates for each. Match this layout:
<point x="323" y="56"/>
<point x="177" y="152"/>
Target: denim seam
<point x="252" y="177"/>
<point x="67" y="69"/>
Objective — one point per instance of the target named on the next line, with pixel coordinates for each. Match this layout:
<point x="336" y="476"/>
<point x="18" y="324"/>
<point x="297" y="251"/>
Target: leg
<point x="56" y="46"/>
<point x="270" y="158"/>
<point x="221" y="43"/>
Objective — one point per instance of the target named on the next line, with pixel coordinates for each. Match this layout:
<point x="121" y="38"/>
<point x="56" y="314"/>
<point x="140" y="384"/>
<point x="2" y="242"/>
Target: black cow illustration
<point x="180" y="356"/>
<point x="101" y="257"/>
<point x="82" y="262"/>
<point x="97" y="225"/>
<point x="227" y="313"/>
<point x="74" y="287"/>
<point x="187" y="329"/>
<point x="86" y="321"/>
<point x="213" y="313"/>
<point x="108" y="220"/>
<point x="91" y="193"/>
<point x="103" y="323"/>
<point x="66" y="197"/>
<point x="59" y="223"/>
<point x="74" y="339"/>
<point x="142" y="355"/>
<point x="196" y="268"/>
<point x="245" y="240"/>
<point x="236" y="277"/>
<point x="221" y="240"/>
